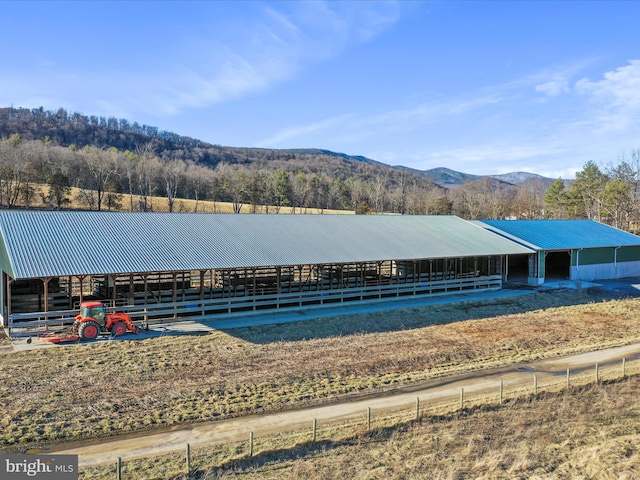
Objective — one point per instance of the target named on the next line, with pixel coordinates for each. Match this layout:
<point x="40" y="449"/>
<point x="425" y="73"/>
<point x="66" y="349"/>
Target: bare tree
<point x="103" y="167"/>
<point x="14" y="170"/>
<point x="172" y="173"/>
<point x="198" y="179"/>
<point x="147" y="176"/>
<point x="529" y="201"/>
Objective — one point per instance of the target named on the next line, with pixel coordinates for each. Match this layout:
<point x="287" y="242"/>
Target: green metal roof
<point x="561" y="234"/>
<point x="47" y="244"/>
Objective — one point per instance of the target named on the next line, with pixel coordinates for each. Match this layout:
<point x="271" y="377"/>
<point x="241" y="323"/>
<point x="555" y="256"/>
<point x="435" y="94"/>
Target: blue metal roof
<point x="49" y="244"/>
<point x="562" y="234"/>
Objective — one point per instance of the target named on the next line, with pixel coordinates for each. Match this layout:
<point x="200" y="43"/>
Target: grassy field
<point x="590" y="432"/>
<point x="160" y="204"/>
<point x="97" y="390"/>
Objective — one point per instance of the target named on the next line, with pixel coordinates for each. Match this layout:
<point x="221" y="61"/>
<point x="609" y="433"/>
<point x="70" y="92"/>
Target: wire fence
<point x="192" y="462"/>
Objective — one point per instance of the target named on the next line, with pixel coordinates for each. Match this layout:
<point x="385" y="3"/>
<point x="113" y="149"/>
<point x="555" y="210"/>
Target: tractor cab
<point x="93" y="310"/>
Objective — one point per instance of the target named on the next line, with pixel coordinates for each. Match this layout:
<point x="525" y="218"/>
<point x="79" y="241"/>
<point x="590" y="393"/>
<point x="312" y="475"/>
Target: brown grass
<point x="590" y="432"/>
<point x="160" y="204"/>
<point x="96" y="390"/>
<point x="558" y="433"/>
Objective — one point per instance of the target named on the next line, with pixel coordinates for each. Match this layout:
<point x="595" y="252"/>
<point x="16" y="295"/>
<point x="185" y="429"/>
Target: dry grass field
<point x="590" y="432"/>
<point x="97" y="390"/>
<point x="160" y="204"/>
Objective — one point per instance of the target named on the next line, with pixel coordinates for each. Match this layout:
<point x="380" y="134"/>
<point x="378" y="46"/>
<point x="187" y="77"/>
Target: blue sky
<point x="480" y="87"/>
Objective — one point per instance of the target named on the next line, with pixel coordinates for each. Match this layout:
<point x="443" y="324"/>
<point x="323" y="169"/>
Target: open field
<point x="584" y="432"/>
<point x="590" y="432"/>
<point x="96" y="390"/>
<point x="183" y="205"/>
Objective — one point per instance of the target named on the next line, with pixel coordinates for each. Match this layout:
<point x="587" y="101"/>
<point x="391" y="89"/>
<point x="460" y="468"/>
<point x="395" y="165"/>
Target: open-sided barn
<point x="572" y="249"/>
<point x="159" y="265"/>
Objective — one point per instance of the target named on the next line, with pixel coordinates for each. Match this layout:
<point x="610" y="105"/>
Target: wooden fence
<point x="222" y="308"/>
<point x="196" y="461"/>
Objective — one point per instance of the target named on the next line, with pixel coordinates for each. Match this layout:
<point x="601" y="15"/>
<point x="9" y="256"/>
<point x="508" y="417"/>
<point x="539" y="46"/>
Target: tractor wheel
<point x="89" y="330"/>
<point x="118" y="329"/>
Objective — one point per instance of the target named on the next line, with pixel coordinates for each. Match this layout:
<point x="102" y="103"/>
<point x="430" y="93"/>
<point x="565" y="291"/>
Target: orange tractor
<point x="92" y="320"/>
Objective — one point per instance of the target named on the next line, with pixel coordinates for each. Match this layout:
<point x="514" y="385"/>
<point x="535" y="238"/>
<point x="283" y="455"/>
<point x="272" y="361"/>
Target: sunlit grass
<point x="97" y="390"/>
<point x="586" y="431"/>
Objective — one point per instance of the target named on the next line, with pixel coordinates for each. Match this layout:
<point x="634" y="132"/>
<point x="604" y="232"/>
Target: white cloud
<point x="613" y="102"/>
<point x="619" y="88"/>
<point x="351" y="128"/>
<point x="502" y="126"/>
<point x="553" y="88"/>
<point x="302" y="130"/>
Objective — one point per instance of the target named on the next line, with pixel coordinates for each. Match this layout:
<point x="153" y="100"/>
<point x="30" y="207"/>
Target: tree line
<point x="110" y="179"/>
<point x="609" y="194"/>
<point x="119" y="165"/>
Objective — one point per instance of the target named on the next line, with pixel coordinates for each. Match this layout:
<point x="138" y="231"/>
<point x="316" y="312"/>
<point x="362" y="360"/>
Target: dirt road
<point x="232" y="430"/>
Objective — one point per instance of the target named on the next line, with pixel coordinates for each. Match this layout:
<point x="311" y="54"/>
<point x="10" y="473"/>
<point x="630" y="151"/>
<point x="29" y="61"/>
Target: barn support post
<point x="3" y="301"/>
<point x="254" y="282"/>
<point x="145" y="278"/>
<point x="300" y="283"/>
<point x="70" y="292"/>
<point x="230" y="280"/>
<point x="174" y="296"/>
<point x="114" y="293"/>
<point x="81" y="280"/>
<point x="245" y="281"/>
<point x="45" y="282"/>
<point x="202" y="275"/>
<point x="7" y="316"/>
<point x="505" y="273"/>
<point x="131" y="292"/>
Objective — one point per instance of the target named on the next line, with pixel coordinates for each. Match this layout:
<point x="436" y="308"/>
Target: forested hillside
<point x="116" y="164"/>
<point x="112" y="157"/>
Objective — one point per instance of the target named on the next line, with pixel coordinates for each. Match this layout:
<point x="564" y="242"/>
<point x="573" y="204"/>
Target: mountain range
<point x="448" y="178"/>
<point x="66" y="129"/>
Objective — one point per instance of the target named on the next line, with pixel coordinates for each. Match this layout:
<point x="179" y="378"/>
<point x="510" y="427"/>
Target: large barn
<point x="570" y="249"/>
<point x="160" y="265"/>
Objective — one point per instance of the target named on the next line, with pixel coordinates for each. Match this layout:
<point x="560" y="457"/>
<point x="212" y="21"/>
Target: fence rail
<point x="219" y="308"/>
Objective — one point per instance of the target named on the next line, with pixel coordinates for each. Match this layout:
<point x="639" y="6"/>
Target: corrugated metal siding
<point x="564" y="234"/>
<point x="43" y="244"/>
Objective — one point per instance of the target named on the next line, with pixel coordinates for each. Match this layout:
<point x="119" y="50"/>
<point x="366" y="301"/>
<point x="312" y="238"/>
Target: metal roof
<point x="48" y="244"/>
<point x="562" y="234"/>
